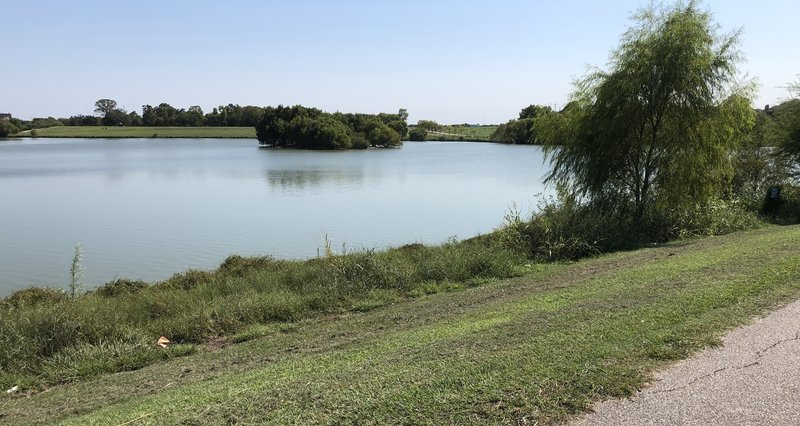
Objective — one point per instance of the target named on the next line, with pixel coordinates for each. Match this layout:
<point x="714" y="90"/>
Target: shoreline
<point x="142" y="132"/>
<point x="109" y="132"/>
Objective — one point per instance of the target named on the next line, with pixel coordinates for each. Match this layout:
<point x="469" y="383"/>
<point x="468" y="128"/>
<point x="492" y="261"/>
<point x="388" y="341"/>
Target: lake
<point x="148" y="208"/>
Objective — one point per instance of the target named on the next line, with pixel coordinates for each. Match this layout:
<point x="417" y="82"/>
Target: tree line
<point x="165" y="115"/>
<point x="108" y="113"/>
<point x="296" y="126"/>
<point x="310" y="128"/>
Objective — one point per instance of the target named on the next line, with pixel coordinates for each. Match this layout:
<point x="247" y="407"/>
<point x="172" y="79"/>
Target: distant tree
<point x="785" y="134"/>
<point x="276" y="127"/>
<point x="249" y="116"/>
<point x="7" y="128"/>
<point x="84" y="120"/>
<point x="238" y="116"/>
<point x="41" y="123"/>
<point x="162" y="115"/>
<point x="755" y="168"/>
<point x="428" y="125"/>
<point x="148" y="115"/>
<point x="215" y="119"/>
<point x="231" y="113"/>
<point x="533" y="111"/>
<point x="399" y="127"/>
<point x="20" y="124"/>
<point x="522" y="131"/>
<point x="104" y="106"/>
<point x="165" y="115"/>
<point x="193" y="117"/>
<point x="397" y="122"/>
<point x="499" y="133"/>
<point x="657" y="129"/>
<point x="417" y="134"/>
<point x="518" y="132"/>
<point x="115" y="117"/>
<point x="381" y="135"/>
<point x="323" y="132"/>
<point x="134" y="119"/>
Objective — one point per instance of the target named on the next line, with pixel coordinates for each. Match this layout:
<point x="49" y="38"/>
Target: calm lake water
<point x="147" y="208"/>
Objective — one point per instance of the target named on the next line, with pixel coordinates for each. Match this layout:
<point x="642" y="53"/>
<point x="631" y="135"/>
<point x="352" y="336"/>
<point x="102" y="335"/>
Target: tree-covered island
<point x="310" y="128"/>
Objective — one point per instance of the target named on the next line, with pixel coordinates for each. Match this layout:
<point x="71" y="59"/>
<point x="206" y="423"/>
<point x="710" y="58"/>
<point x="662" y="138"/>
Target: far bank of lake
<point x="147" y="208"/>
<point x="447" y="133"/>
<point x="117" y="132"/>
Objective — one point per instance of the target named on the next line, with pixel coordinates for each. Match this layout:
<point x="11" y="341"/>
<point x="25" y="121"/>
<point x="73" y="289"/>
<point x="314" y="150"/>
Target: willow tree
<point x="658" y="126"/>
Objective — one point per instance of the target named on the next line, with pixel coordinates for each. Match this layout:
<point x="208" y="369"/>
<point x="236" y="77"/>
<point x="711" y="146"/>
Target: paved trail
<point x="754" y="379"/>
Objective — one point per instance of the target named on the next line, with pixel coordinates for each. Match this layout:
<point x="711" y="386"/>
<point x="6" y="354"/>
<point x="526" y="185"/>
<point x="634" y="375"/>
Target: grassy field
<point x="466" y="133"/>
<point x="142" y="132"/>
<point x="536" y="348"/>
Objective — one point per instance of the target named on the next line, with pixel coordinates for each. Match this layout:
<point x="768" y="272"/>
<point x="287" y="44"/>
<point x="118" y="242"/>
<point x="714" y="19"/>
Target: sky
<point x="451" y="61"/>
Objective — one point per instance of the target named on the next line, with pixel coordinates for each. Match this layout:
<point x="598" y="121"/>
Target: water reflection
<point x="295" y="181"/>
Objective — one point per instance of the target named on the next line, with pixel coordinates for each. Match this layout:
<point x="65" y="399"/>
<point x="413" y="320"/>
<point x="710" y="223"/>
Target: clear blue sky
<point x="450" y="61"/>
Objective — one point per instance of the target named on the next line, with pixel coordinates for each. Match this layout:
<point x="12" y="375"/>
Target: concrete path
<point x="754" y="379"/>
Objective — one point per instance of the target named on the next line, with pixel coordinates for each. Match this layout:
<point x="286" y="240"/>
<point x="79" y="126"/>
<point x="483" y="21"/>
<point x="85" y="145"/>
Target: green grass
<point x="537" y="348"/>
<point x="39" y="325"/>
<point x="142" y="132"/>
<point x="465" y="133"/>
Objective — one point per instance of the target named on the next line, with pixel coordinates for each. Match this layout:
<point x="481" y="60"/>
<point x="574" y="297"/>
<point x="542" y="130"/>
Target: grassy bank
<point x="462" y="133"/>
<point x="141" y="132"/>
<point x="51" y="338"/>
<point x="536" y="348"/>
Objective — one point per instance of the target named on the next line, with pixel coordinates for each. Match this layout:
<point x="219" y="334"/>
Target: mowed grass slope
<point x="539" y="348"/>
<point x="467" y="133"/>
<point x="142" y="132"/>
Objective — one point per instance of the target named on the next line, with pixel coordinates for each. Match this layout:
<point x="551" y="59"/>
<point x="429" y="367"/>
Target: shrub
<point x="121" y="286"/>
<point x="714" y="217"/>
<point x="7" y="128"/>
<point x="417" y="134"/>
<point x="562" y="229"/>
<point x="789" y="208"/>
<point x="188" y="280"/>
<point x="565" y="229"/>
<point x="34" y="296"/>
<point x="236" y="265"/>
<point x="359" y="141"/>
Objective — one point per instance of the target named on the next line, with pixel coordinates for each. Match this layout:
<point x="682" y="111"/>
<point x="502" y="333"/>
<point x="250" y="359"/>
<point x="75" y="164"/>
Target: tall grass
<point x="47" y="337"/>
<point x="76" y="273"/>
